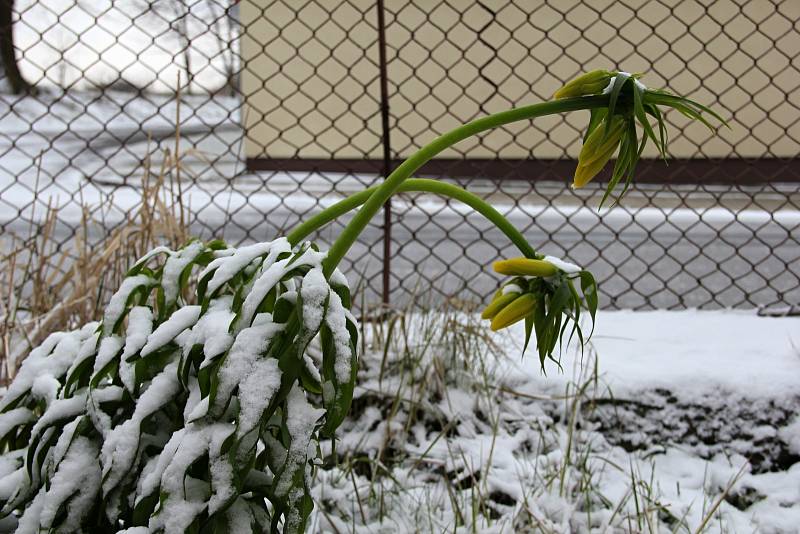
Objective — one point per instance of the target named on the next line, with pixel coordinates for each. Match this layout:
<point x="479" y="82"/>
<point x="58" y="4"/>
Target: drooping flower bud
<point x="525" y="267"/>
<point x="520" y="308"/>
<point x="498" y="303"/>
<point x="597" y="150"/>
<point x="591" y="83"/>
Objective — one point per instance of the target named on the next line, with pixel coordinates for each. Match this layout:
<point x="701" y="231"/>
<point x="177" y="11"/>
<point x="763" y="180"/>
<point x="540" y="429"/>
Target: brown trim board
<point x="739" y="171"/>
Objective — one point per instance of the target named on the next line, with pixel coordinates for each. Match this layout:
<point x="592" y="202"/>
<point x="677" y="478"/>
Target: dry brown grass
<point x="46" y="286"/>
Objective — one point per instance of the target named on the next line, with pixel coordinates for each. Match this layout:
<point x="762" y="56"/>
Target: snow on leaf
<point x="59" y="410"/>
<point x="77" y="480"/>
<point x="314" y="292"/>
<point x="140" y="326"/>
<point x="262" y="285"/>
<point x="174" y="266"/>
<point x="227" y="267"/>
<point x="255" y="393"/>
<point x="118" y="302"/>
<point x="14" y="418"/>
<point x="167" y="331"/>
<point x="179" y="507"/>
<point x="337" y="322"/>
<point x="248" y="346"/>
<point x="108" y="350"/>
<point x="301" y="419"/>
<point x="211" y="331"/>
<point x="50" y="359"/>
<point x="122" y="442"/>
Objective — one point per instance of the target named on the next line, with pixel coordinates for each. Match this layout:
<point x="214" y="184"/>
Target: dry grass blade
<point x="50" y="286"/>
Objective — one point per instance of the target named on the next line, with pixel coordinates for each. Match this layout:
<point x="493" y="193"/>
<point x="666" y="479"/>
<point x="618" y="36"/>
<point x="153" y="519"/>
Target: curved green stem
<point x="416" y="185"/>
<point x="423" y="155"/>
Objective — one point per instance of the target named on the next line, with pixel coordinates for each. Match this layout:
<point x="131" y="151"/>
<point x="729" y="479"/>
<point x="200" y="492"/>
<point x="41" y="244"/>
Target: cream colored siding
<point x="311" y="78"/>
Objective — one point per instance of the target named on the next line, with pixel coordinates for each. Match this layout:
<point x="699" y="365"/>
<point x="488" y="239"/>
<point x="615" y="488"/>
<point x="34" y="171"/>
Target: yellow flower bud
<point x="514" y="312"/>
<point x="597" y="150"/>
<point x="497" y="304"/>
<point x="587" y="84"/>
<point x="525" y="267"/>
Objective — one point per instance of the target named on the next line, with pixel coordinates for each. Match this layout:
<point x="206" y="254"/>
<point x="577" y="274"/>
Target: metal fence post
<point x="387" y="154"/>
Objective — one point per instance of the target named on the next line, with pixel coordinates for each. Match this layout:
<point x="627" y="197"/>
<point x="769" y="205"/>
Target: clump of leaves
<point x="180" y="417"/>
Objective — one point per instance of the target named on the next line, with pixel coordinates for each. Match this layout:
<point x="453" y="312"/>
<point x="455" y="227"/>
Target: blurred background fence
<point x="278" y="108"/>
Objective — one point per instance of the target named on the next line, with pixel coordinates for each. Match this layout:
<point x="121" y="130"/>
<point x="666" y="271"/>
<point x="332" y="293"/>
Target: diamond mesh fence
<point x="280" y="108"/>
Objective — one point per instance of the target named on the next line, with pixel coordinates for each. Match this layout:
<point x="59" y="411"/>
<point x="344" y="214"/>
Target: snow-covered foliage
<point x="184" y="411"/>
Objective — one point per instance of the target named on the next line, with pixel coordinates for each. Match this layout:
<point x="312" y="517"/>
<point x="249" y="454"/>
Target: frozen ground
<point x="442" y="443"/>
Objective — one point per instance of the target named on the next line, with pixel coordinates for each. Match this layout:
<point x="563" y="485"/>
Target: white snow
<point x="122" y="442"/>
<point x="180" y="506"/>
<point x="180" y="320"/>
<point x="337" y="322"/>
<point x="262" y="285"/>
<point x="173" y="268"/>
<point x="116" y="305"/>
<point x="302" y="417"/>
<point x="567" y="267"/>
<point x="239" y="518"/>
<point x="511" y="288"/>
<point x="227" y="267"/>
<point x="687" y="351"/>
<point x="12" y="418"/>
<point x="791" y="435"/>
<point x="247" y="349"/>
<point x="52" y="358"/>
<point x="107" y="351"/>
<point x="501" y="429"/>
<point x="211" y="331"/>
<point x="77" y="479"/>
<point x="314" y="291"/>
<point x="140" y="326"/>
<point x="60" y="409"/>
<point x="256" y="391"/>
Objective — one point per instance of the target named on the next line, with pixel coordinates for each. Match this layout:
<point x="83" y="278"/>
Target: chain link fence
<point x="281" y="108"/>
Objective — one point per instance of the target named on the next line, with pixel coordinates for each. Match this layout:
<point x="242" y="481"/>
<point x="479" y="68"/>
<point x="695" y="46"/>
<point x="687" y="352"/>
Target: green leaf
<point x="619" y="81"/>
<point x="589" y="290"/>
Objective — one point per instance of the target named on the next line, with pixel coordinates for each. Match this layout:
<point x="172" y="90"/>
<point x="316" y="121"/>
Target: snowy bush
<point x="184" y="417"/>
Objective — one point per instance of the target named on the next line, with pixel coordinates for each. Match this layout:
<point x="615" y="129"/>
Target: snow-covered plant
<point x="198" y="402"/>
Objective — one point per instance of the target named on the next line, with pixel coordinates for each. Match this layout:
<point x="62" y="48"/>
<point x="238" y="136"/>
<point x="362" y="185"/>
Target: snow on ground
<point x="451" y="432"/>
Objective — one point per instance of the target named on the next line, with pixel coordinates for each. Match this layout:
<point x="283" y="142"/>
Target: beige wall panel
<point x="310" y="78"/>
<point x="315" y="74"/>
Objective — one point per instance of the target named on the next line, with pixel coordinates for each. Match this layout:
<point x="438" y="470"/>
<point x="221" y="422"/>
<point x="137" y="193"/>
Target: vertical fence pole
<point x="387" y="154"/>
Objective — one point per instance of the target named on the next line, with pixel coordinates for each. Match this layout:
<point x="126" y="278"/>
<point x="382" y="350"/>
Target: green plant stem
<point x="429" y="151"/>
<point x="416" y="185"/>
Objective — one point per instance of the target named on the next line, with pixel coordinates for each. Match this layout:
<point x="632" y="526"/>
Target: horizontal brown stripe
<point x="742" y="171"/>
